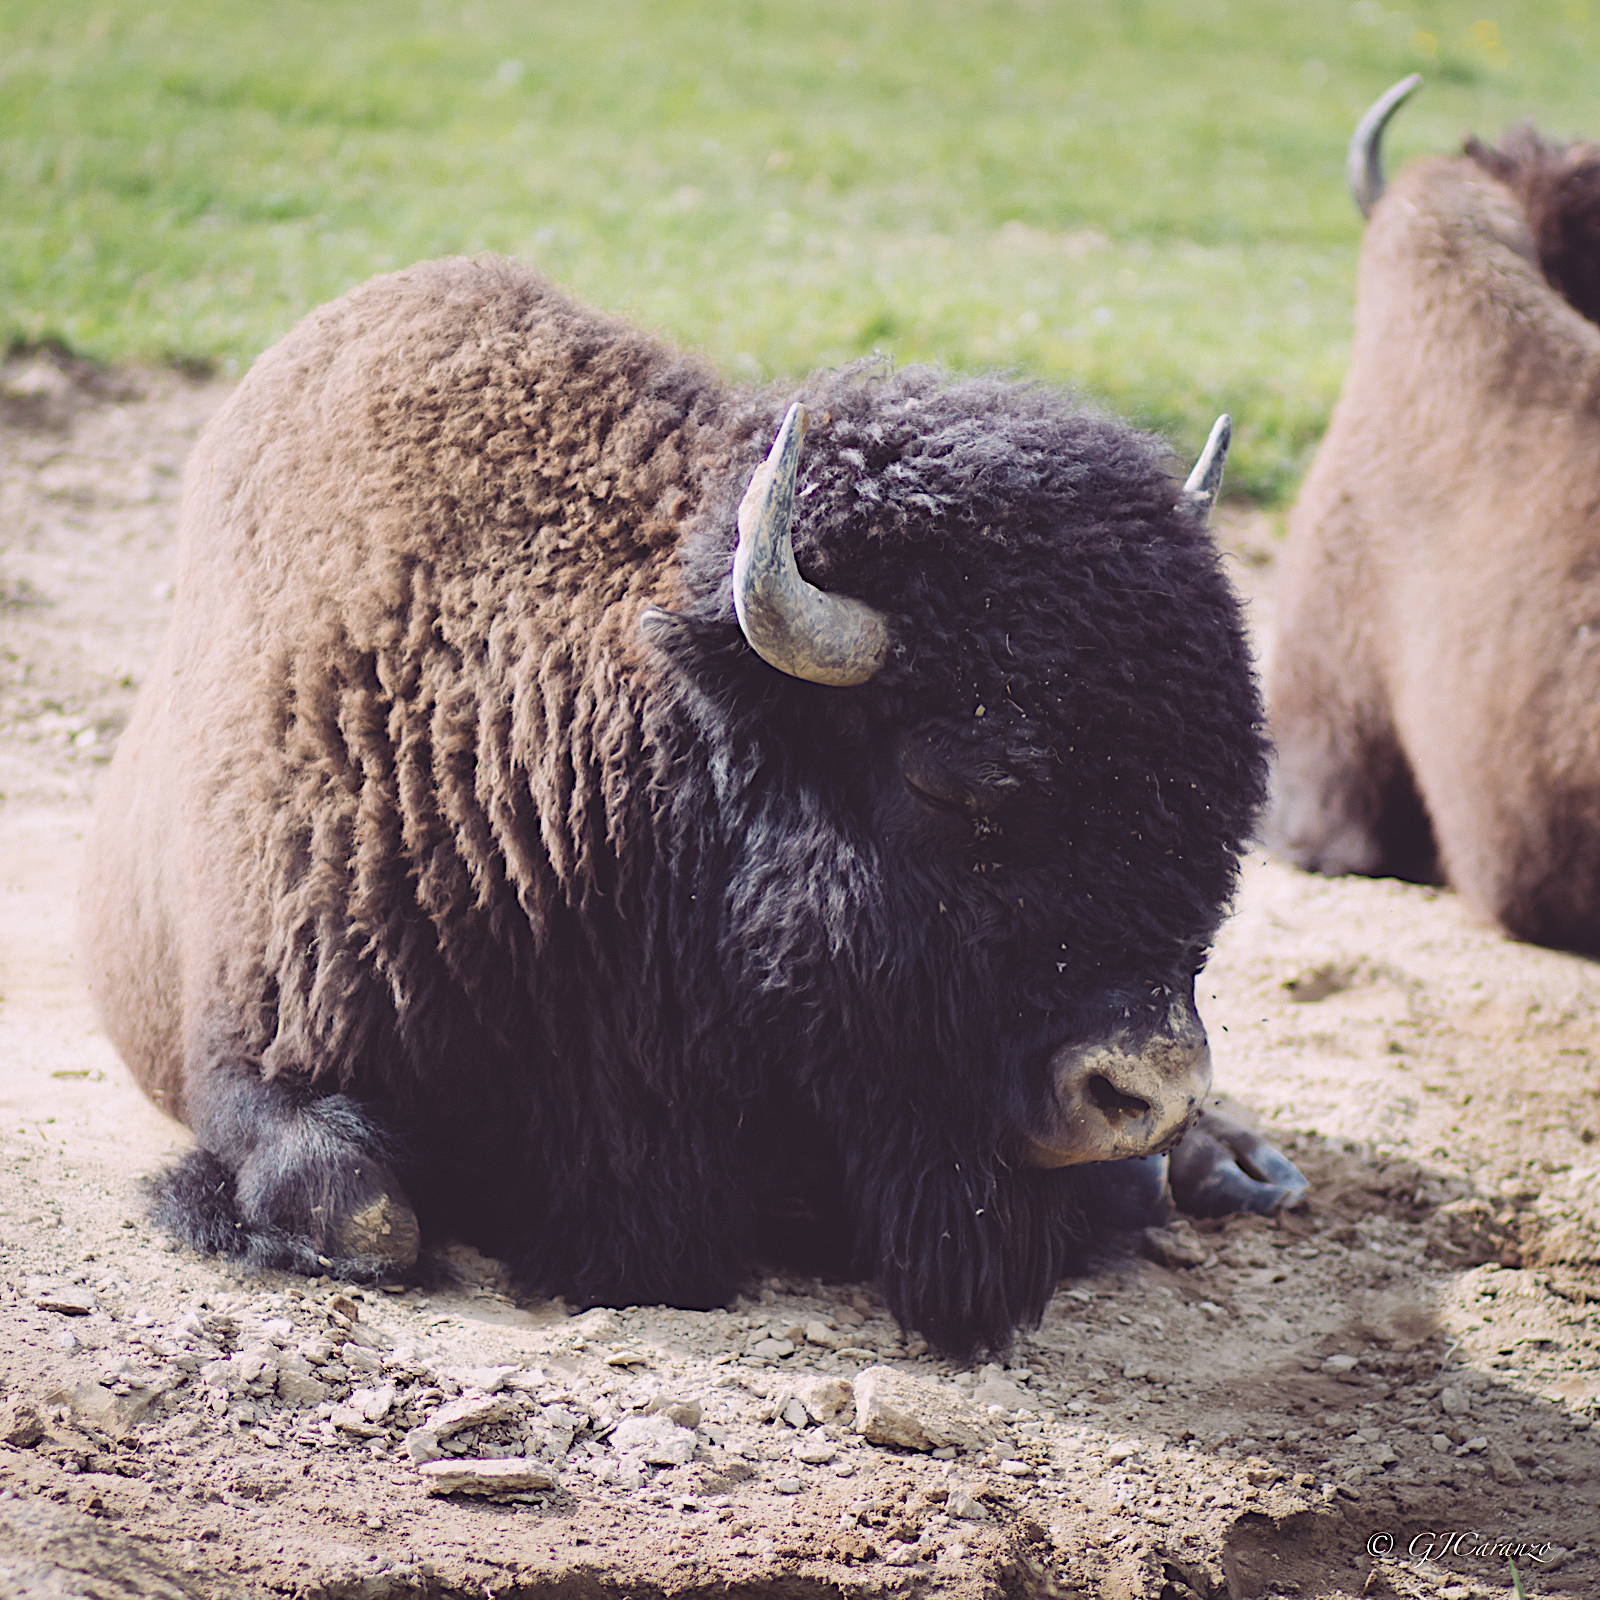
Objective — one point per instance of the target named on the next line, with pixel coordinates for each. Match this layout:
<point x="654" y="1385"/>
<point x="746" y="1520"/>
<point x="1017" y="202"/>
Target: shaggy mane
<point x="1558" y="187"/>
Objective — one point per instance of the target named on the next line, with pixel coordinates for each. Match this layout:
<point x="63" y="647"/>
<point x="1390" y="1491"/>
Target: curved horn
<point x="789" y="623"/>
<point x="1363" y="163"/>
<point x="1200" y="489"/>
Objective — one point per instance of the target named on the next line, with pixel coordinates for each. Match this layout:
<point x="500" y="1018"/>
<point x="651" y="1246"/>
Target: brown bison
<point x="511" y="842"/>
<point x="1435" y="691"/>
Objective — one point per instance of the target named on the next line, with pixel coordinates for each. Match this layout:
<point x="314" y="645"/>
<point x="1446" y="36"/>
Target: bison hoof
<point x="385" y="1230"/>
<point x="1219" y="1168"/>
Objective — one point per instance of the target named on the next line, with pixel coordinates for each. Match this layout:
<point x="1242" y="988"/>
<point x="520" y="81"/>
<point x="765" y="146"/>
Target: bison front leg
<point x="1220" y="1167"/>
<point x="288" y="1179"/>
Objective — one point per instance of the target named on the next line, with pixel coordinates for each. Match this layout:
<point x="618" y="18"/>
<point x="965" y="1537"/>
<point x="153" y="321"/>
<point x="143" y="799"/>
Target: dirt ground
<point x="1380" y="1393"/>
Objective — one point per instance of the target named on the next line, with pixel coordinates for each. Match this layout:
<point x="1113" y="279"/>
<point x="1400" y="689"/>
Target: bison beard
<point x="464" y="864"/>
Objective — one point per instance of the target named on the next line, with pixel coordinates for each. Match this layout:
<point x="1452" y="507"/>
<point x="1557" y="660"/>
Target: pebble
<point x="686" y="1413"/>
<point x="815" y="1452"/>
<point x="474" y="1411"/>
<point x="914" y="1413"/>
<point x="787" y="1485"/>
<point x="1505" y="1470"/>
<point x="495" y="1479"/>
<point x="967" y="1506"/>
<point x="21" y="1426"/>
<point x="64" y="1299"/>
<point x="1016" y="1469"/>
<point x="775" y="1348"/>
<point x="656" y="1440"/>
<point x="1338" y="1364"/>
<point x="1455" y="1402"/>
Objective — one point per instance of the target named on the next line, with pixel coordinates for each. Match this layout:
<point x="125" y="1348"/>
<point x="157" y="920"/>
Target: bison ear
<point x="1200" y="490"/>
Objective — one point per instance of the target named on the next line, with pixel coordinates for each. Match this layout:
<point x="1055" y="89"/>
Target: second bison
<point x="496" y="848"/>
<point x="1435" y="693"/>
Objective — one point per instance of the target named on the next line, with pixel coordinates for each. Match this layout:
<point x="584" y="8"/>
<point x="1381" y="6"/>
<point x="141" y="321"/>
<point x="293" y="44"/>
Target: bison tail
<point x="195" y="1201"/>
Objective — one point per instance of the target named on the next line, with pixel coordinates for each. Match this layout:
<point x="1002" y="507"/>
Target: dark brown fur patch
<point x="1558" y="187"/>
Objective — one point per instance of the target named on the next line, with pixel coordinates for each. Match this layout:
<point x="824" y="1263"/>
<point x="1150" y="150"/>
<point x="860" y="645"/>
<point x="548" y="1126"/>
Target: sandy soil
<point x="1373" y="1395"/>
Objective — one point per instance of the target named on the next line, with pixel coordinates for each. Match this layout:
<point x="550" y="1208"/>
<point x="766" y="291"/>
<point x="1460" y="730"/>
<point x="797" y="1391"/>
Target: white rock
<point x="373" y="1404"/>
<point x="297" y="1389"/>
<point x="474" y="1411"/>
<point x="896" y="1408"/>
<point x="1455" y="1402"/>
<point x="824" y="1398"/>
<point x="820" y="1333"/>
<point x="510" y="1476"/>
<point x="486" y="1380"/>
<point x="360" y="1359"/>
<point x="775" y="1348"/>
<point x="967" y="1506"/>
<point x="657" y="1440"/>
<point x="998" y="1390"/>
<point x="1337" y="1364"/>
<point x="815" y="1452"/>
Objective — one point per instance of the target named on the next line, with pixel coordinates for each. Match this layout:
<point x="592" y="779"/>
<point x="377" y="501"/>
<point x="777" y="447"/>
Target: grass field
<point x="1142" y="198"/>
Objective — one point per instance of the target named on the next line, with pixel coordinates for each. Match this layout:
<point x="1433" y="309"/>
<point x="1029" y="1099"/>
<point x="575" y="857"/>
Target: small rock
<point x="486" y="1380"/>
<point x="1338" y="1364"/>
<point x="66" y="1300"/>
<point x="1476" y="1445"/>
<point x="596" y="1324"/>
<point x="1016" y="1469"/>
<point x="472" y="1412"/>
<point x="897" y="1408"/>
<point x="815" y="1452"/>
<point x="794" y="1412"/>
<point x="656" y="1440"/>
<point x="1505" y="1470"/>
<point x="295" y="1390"/>
<point x="819" y="1333"/>
<point x="115" y="1414"/>
<point x="360" y="1359"/>
<point x="1383" y="1456"/>
<point x="1119" y="1453"/>
<point x="777" y="1349"/>
<point x="349" y="1419"/>
<point x="423" y="1445"/>
<point x="825" y="1398"/>
<point x="967" y="1506"/>
<point x="851" y="1546"/>
<point x="373" y="1404"/>
<point x="787" y="1485"/>
<point x="495" y="1479"/>
<point x="995" y="1389"/>
<point x="21" y="1426"/>
<point x="686" y="1413"/>
<point x="1455" y="1402"/>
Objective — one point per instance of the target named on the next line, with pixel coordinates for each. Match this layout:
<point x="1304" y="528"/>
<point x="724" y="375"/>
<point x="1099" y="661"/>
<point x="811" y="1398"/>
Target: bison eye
<point x="952" y="802"/>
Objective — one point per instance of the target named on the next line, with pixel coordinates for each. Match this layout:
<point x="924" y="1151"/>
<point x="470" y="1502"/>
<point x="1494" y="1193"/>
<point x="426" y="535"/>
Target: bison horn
<point x="1200" y="490"/>
<point x="1363" y="165"/>
<point x="789" y="623"/>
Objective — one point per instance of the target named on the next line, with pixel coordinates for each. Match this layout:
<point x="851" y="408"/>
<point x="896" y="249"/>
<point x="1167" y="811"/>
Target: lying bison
<point x="1436" y="688"/>
<point x="494" y="848"/>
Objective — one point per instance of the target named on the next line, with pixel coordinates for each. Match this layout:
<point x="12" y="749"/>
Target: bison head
<point x="990" y="746"/>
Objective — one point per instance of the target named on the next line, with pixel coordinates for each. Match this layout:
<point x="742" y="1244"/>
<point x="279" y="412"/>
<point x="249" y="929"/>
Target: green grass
<point x="1144" y="199"/>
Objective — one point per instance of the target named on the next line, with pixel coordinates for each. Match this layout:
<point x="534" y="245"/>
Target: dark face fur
<point x="1018" y="838"/>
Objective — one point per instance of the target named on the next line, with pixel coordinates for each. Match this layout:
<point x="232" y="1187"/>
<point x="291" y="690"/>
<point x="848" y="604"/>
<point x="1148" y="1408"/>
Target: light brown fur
<point x="559" y="529"/>
<point x="1435" y="693"/>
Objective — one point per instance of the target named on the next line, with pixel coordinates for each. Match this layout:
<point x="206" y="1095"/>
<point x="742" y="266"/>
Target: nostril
<point x="1113" y="1101"/>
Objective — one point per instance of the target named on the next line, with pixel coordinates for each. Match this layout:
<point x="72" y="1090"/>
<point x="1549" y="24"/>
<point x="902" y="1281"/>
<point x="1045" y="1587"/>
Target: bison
<point x="1435" y="692"/>
<point x="497" y="850"/>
